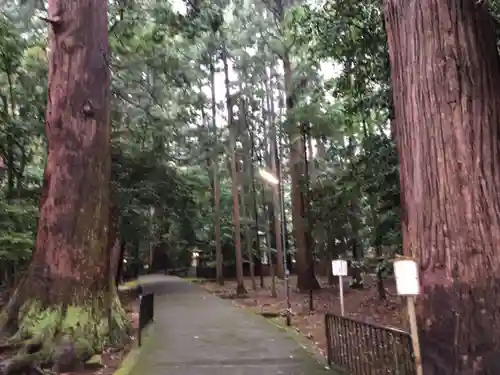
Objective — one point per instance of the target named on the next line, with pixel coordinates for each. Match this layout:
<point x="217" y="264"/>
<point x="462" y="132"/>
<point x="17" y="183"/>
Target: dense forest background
<point x="172" y="132"/>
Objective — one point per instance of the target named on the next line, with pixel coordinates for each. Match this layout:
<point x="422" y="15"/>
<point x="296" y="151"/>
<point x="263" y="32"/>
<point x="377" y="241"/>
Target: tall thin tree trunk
<point x="268" y="244"/>
<point x="355" y="223"/>
<point x="305" y="280"/>
<point x="378" y="249"/>
<point x="119" y="270"/>
<point x="446" y="82"/>
<point x="255" y="202"/>
<point x="282" y="178"/>
<point x="311" y="158"/>
<point x="245" y="186"/>
<point x="114" y="246"/>
<point x="240" y="282"/>
<point x="329" y="259"/>
<point x="219" y="261"/>
<point x="280" y="272"/>
<point x="248" y="237"/>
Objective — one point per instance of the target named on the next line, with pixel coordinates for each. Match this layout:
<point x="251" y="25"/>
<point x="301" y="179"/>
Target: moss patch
<point x="129" y="285"/>
<point x="89" y="320"/>
<point x="96" y="360"/>
<point x="69" y="335"/>
<point x="128" y="362"/>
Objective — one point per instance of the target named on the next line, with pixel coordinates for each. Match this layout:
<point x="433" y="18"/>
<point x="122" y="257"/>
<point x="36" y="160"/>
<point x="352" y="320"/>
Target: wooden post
<point x="341" y="289"/>
<point x="408" y="285"/>
<point x="412" y="316"/>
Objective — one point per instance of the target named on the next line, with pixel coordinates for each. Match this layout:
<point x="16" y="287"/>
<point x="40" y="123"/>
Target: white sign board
<point x="407" y="281"/>
<point x="339" y="267"/>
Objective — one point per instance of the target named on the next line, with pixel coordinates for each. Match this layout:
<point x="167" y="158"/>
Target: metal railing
<point x="361" y="348"/>
<point x="146" y="311"/>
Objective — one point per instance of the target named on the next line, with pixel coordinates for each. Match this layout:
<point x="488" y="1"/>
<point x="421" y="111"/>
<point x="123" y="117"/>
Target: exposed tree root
<point x="61" y="339"/>
<point x="9" y="346"/>
<point x="22" y="364"/>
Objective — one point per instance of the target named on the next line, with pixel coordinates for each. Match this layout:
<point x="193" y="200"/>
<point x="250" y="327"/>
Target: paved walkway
<point x="195" y="333"/>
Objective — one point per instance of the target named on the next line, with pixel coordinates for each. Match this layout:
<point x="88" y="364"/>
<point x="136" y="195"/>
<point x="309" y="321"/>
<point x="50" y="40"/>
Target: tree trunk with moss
<point x="65" y="309"/>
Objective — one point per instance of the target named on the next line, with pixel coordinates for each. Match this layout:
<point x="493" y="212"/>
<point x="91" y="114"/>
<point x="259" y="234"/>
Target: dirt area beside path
<point x="363" y="304"/>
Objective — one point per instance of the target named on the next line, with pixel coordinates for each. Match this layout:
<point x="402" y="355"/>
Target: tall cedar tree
<point x="446" y="81"/>
<point x="66" y="297"/>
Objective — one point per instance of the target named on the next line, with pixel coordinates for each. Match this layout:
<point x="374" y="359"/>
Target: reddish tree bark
<point x="273" y="161"/>
<point x="71" y="235"/>
<point x="115" y="249"/>
<point x="219" y="258"/>
<point x="446" y="81"/>
<point x="305" y="278"/>
<point x="240" y="282"/>
<point x="68" y="277"/>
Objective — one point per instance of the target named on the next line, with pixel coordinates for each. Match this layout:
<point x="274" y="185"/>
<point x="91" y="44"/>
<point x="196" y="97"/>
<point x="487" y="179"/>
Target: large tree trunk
<point x="66" y="294"/>
<point x="305" y="278"/>
<point x="446" y="81"/>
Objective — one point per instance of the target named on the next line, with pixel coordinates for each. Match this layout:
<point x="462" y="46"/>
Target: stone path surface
<point x="195" y="333"/>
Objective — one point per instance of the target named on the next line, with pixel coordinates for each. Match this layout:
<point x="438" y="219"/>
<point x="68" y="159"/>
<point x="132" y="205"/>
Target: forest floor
<point x="111" y="358"/>
<point x="363" y="304"/>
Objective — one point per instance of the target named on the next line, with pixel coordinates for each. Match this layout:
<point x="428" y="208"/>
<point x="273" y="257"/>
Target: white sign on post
<point x="339" y="268"/>
<point x="407" y="281"/>
<point x="408" y="285"/>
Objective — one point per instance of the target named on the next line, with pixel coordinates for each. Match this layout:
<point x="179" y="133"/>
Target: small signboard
<point x="408" y="285"/>
<point x="407" y="281"/>
<point x="339" y="267"/>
